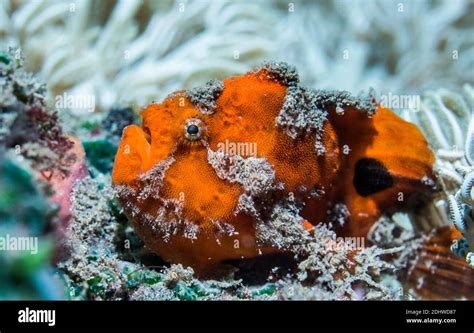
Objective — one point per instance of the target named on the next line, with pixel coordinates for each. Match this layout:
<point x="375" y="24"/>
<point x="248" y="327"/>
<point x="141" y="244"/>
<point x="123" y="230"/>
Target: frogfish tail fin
<point x="437" y="273"/>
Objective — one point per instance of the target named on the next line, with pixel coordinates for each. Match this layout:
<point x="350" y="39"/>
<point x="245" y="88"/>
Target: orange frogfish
<point x="211" y="168"/>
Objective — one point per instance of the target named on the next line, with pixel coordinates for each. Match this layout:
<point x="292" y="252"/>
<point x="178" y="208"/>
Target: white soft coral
<point x="461" y="206"/>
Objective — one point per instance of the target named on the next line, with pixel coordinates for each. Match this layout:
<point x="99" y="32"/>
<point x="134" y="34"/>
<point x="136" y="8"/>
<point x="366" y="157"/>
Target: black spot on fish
<point x="371" y="176"/>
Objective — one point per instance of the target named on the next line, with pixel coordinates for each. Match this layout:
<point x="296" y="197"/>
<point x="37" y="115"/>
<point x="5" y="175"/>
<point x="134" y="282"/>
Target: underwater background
<point x="57" y="152"/>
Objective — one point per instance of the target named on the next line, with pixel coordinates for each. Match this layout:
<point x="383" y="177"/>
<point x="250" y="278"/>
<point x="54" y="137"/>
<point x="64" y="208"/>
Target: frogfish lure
<point x="212" y="169"/>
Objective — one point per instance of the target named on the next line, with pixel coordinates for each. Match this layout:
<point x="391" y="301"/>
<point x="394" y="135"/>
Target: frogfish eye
<point x="193" y="129"/>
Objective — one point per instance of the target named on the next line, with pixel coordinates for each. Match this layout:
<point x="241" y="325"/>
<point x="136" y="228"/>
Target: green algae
<point x="100" y="154"/>
<point x="24" y="213"/>
<point x="5" y="58"/>
<point x="267" y="289"/>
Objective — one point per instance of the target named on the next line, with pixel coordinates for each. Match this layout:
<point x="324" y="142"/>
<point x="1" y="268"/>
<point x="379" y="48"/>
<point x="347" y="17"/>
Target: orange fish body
<point x="210" y="164"/>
